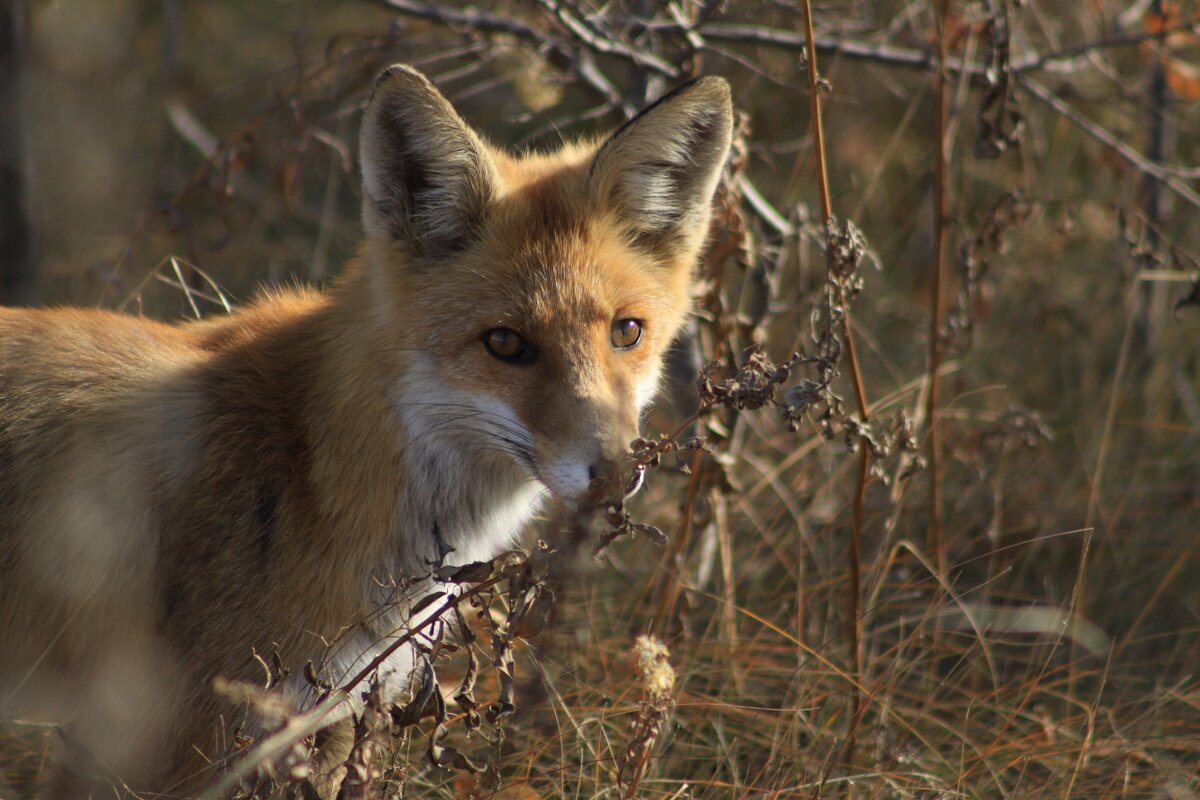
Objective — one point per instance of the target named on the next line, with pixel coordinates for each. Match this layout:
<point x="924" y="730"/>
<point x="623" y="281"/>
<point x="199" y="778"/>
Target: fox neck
<point x="458" y="505"/>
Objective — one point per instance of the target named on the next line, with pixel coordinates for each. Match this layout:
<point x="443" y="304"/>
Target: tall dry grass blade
<point x="1079" y="598"/>
<point x="729" y="631"/>
<point x="671" y="565"/>
<point x="1177" y="564"/>
<point x="937" y="300"/>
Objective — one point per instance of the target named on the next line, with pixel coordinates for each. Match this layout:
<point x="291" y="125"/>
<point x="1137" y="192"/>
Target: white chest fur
<point x="466" y="497"/>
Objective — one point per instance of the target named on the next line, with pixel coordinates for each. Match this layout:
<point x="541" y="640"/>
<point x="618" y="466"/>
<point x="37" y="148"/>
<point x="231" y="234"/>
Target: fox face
<point x="548" y="286"/>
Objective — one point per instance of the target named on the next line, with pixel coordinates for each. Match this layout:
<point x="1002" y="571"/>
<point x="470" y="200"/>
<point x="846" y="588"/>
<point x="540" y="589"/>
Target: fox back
<point x="179" y="500"/>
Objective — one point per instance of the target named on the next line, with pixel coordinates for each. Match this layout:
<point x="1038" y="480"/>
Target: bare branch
<point x="909" y="57"/>
<point x="471" y="18"/>
<point x="474" y="19"/>
<point x="607" y="44"/>
<point x="1106" y="137"/>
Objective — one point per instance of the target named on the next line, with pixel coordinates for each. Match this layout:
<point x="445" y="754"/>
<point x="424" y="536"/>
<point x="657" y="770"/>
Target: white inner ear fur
<point x="660" y="171"/>
<point x="427" y="175"/>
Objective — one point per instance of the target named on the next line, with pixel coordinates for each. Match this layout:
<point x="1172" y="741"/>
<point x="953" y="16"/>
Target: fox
<point x="178" y="501"/>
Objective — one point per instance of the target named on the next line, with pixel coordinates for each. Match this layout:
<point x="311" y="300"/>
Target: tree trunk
<point x="18" y="272"/>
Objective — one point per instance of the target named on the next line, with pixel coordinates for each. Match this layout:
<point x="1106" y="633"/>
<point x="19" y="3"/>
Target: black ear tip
<point x="715" y="86"/>
<point x="709" y="88"/>
<point x="395" y="76"/>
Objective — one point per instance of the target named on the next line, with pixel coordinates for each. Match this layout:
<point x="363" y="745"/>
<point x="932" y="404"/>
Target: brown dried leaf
<point x="534" y="614"/>
<point x="474" y="572"/>
<point x="427" y="601"/>
<point x="651" y="532"/>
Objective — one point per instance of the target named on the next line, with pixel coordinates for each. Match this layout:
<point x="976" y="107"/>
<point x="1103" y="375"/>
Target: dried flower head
<point x="657" y="673"/>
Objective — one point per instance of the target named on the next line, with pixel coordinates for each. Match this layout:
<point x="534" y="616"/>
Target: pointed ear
<point x="427" y="177"/>
<point x="659" y="171"/>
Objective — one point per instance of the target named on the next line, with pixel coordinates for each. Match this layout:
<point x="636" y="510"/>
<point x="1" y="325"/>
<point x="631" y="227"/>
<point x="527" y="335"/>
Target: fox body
<point x="177" y="499"/>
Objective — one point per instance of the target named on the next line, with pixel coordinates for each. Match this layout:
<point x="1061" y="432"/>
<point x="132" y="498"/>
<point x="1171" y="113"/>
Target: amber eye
<point x="507" y="345"/>
<point x="626" y="333"/>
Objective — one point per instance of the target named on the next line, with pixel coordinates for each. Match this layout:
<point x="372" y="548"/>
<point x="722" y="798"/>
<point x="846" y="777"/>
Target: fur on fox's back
<point x="177" y="501"/>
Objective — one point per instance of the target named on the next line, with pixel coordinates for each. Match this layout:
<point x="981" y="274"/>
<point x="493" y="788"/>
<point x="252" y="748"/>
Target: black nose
<point x="592" y="472"/>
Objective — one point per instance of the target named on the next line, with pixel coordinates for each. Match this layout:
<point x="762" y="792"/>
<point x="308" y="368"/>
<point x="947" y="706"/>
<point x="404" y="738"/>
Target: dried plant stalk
<point x="853" y="566"/>
<point x="658" y="686"/>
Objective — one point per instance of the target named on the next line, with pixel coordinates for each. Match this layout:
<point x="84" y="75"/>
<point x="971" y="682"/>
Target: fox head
<point x="527" y="301"/>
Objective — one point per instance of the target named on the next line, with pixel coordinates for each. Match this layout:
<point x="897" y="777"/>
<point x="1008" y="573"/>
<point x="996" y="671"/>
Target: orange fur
<point x="175" y="499"/>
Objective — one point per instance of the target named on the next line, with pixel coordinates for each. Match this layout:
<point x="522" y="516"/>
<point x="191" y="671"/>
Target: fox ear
<point x="427" y="177"/>
<point x="659" y="171"/>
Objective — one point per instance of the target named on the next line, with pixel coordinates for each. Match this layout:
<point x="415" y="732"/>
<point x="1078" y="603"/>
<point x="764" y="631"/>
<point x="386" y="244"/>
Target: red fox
<point x="175" y="499"/>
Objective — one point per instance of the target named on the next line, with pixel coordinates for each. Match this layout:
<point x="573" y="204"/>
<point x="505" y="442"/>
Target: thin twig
<point x="854" y="627"/>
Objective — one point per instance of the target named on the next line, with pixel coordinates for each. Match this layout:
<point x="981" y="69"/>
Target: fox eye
<point x="626" y="333"/>
<point x="507" y="345"/>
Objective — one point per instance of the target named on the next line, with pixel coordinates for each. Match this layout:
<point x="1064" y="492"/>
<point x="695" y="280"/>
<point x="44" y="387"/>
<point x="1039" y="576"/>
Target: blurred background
<point x="1004" y="605"/>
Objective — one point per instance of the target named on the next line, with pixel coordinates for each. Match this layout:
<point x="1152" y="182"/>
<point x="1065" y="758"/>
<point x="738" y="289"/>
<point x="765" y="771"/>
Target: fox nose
<point x="606" y="468"/>
<point x="602" y="475"/>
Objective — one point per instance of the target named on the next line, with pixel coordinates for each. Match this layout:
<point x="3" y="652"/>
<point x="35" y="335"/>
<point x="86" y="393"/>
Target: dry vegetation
<point x="862" y="564"/>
